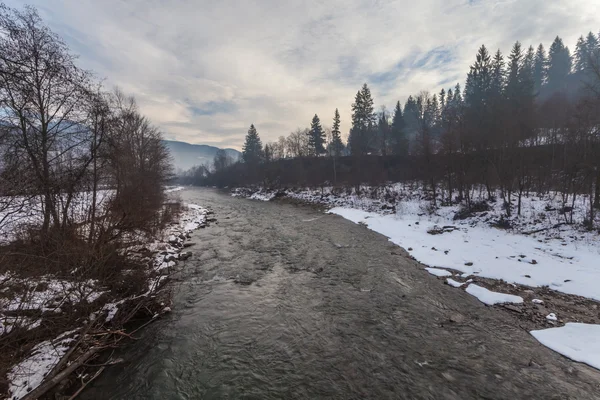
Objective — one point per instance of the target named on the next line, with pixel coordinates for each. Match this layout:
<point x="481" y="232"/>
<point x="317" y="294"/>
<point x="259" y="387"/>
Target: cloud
<point x="204" y="70"/>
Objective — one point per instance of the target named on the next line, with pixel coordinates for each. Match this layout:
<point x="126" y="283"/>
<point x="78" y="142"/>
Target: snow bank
<point x="438" y="272"/>
<point x="29" y="373"/>
<point x="490" y="298"/>
<point x="579" y="342"/>
<point x="454" y="283"/>
<point x="570" y="267"/>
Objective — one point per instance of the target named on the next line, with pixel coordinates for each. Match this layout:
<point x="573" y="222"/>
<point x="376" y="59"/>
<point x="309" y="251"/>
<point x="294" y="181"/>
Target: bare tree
<point x="42" y="93"/>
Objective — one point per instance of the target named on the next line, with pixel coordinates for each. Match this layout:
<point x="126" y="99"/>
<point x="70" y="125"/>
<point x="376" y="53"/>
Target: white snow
<point x="438" y="272"/>
<point x="490" y="298"/>
<point x="262" y="196"/>
<point x="454" y="283"/>
<point x="570" y="267"/>
<point x="48" y="293"/>
<point x="29" y="373"/>
<point x="579" y="342"/>
<point x="551" y="317"/>
<point x="171" y="189"/>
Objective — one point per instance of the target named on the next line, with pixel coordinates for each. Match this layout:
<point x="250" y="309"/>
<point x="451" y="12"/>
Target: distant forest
<point x="526" y="122"/>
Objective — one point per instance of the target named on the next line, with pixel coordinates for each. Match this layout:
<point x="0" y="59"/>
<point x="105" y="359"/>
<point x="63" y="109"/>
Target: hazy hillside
<point x="186" y="155"/>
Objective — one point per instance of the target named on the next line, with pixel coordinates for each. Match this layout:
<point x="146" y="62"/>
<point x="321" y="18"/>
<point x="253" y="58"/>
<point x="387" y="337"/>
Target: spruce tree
<point x="383" y="130"/>
<point x="540" y="67"/>
<point x="252" y="152"/>
<point x="559" y="64"/>
<point x="593" y="47"/>
<point x="498" y="74"/>
<point x="582" y="55"/>
<point x="450" y="97"/>
<point x="361" y="137"/>
<point x="316" y="137"/>
<point x="479" y="118"/>
<point x="442" y="99"/>
<point x="336" y="145"/>
<point x="515" y="60"/>
<point x="399" y="143"/>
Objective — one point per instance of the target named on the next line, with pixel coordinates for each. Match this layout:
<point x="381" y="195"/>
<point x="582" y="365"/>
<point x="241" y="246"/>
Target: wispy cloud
<point x="204" y="70"/>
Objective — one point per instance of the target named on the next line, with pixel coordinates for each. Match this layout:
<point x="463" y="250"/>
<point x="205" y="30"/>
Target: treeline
<point x="82" y="164"/>
<point x="527" y="121"/>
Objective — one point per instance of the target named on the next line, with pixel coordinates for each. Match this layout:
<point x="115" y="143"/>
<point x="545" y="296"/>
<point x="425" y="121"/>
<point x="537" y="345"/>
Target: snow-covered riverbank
<point x="26" y="303"/>
<point x="537" y="249"/>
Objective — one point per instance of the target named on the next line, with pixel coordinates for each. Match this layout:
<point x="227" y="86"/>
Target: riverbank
<point x="53" y="326"/>
<point x="538" y="267"/>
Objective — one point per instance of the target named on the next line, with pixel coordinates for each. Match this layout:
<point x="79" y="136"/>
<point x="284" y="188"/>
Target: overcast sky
<point x="205" y="70"/>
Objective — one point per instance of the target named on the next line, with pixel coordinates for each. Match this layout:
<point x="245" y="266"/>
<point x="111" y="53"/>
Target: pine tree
<point x="361" y="137"/>
<point x="498" y="74"/>
<point x="479" y="119"/>
<point x="252" y="152"/>
<point x="450" y="97"/>
<point x="442" y="99"/>
<point x="559" y="64"/>
<point x="458" y="99"/>
<point x="479" y="79"/>
<point x="336" y="144"/>
<point x="411" y="116"/>
<point x="593" y="48"/>
<point x="399" y="144"/>
<point x="515" y="60"/>
<point x="316" y="137"/>
<point x="383" y="130"/>
<point x="540" y="68"/>
<point x="582" y="55"/>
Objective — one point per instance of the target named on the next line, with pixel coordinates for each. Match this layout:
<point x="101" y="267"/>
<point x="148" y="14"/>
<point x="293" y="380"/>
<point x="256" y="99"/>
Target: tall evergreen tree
<point x="411" y="116"/>
<point x="528" y="73"/>
<point x="399" y="144"/>
<point x="336" y="144"/>
<point x="383" y="131"/>
<point x="458" y="99"/>
<point x="540" y="68"/>
<point x="252" y="152"/>
<point x="442" y="99"/>
<point x="361" y="139"/>
<point x="478" y="98"/>
<point x="559" y="64"/>
<point x="450" y="97"/>
<point x="593" y="46"/>
<point x="513" y="85"/>
<point x="582" y="55"/>
<point x="479" y="77"/>
<point x="316" y="137"/>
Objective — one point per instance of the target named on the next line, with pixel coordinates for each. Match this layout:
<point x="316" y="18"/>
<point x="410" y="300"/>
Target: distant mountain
<point x="186" y="155"/>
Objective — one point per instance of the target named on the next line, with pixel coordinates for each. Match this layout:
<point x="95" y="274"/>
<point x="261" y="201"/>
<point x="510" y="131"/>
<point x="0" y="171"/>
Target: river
<point x="284" y="302"/>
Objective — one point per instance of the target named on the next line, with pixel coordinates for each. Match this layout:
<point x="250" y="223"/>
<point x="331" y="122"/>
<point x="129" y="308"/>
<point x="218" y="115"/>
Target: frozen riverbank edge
<point x="54" y="361"/>
<point x="543" y="271"/>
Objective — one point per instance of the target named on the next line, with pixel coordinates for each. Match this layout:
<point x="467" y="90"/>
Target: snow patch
<point x="577" y="341"/>
<point x="490" y="298"/>
<point x="438" y="272"/>
<point x="29" y="373"/>
<point x="551" y="317"/>
<point x="454" y="283"/>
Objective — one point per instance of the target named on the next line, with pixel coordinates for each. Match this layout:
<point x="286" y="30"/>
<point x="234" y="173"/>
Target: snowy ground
<point x="537" y="250"/>
<point x="48" y="294"/>
<point x="17" y="213"/>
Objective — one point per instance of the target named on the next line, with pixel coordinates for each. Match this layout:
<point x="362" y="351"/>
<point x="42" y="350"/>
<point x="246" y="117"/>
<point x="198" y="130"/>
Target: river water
<point x="284" y="302"/>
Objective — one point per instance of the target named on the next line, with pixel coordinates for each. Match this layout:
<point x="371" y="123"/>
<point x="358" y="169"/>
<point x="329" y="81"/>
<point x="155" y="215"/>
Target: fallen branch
<point x="50" y="383"/>
<point x="87" y="383"/>
<point x="543" y="229"/>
